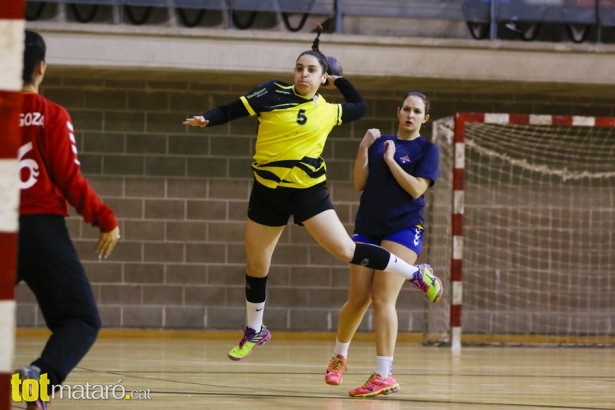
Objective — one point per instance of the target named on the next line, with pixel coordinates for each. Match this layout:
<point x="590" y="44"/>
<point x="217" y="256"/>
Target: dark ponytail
<point x="315" y="51"/>
<point x="316" y="42"/>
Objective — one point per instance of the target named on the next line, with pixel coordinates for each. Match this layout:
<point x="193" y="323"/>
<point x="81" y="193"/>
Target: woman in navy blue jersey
<point x="393" y="172"/>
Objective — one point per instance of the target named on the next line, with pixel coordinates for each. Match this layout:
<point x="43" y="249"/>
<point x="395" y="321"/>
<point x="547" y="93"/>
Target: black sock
<point x="256" y="289"/>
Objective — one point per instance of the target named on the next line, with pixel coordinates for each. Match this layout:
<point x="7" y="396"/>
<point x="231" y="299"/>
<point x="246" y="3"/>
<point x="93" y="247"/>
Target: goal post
<point x="521" y="228"/>
<point x="12" y="26"/>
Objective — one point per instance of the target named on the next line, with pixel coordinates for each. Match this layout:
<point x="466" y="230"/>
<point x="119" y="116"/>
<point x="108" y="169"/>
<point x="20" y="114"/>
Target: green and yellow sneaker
<point x="248" y="342"/>
<point x="429" y="283"/>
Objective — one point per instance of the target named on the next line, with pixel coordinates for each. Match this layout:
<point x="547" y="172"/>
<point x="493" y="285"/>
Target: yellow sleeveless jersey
<point x="291" y="136"/>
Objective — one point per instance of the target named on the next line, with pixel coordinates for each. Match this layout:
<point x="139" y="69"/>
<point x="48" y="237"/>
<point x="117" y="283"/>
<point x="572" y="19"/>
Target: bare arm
<point x="361" y="163"/>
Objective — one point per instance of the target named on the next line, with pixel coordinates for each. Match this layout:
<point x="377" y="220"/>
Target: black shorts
<point x="274" y="207"/>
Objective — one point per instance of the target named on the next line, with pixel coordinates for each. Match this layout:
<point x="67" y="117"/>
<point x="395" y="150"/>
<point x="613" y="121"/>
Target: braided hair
<point x="315" y="51"/>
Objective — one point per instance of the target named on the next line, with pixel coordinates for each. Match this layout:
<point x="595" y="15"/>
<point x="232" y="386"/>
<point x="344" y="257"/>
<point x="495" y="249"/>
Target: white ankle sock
<point x="384" y="366"/>
<point x="254" y="315"/>
<point x="401" y="267"/>
<point x="341" y="348"/>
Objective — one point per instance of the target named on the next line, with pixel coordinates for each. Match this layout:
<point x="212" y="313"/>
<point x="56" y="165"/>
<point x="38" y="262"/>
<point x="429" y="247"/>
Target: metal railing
<point x="483" y="17"/>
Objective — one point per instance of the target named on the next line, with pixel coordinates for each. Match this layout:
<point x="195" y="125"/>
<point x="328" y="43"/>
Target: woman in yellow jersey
<point x="290" y="180"/>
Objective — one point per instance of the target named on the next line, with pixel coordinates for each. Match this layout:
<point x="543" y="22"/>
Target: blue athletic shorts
<point x="411" y="238"/>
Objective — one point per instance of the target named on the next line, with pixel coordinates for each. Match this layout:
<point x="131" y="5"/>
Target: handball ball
<point x="335" y="68"/>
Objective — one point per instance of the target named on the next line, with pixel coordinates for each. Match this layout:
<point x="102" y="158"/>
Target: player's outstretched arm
<point x="196" y="121"/>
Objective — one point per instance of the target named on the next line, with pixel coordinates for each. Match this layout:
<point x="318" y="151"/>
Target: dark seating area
<point x="575" y="21"/>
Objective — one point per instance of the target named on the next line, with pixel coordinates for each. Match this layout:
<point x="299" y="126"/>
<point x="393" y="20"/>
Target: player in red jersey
<point x="50" y="181"/>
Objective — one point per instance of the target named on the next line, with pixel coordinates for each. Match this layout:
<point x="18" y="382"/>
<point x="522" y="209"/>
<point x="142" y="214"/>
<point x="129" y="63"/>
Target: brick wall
<point x="181" y="197"/>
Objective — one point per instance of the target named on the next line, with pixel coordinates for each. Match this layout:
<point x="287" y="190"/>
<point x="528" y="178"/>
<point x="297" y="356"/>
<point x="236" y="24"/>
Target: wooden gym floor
<point x="190" y="370"/>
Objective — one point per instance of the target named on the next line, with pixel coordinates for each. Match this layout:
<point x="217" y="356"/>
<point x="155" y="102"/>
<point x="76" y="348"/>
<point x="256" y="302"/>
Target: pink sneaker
<point x="335" y="371"/>
<point x="376" y="385"/>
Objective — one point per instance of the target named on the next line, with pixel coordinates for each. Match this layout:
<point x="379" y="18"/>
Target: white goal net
<point x="522" y="229"/>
